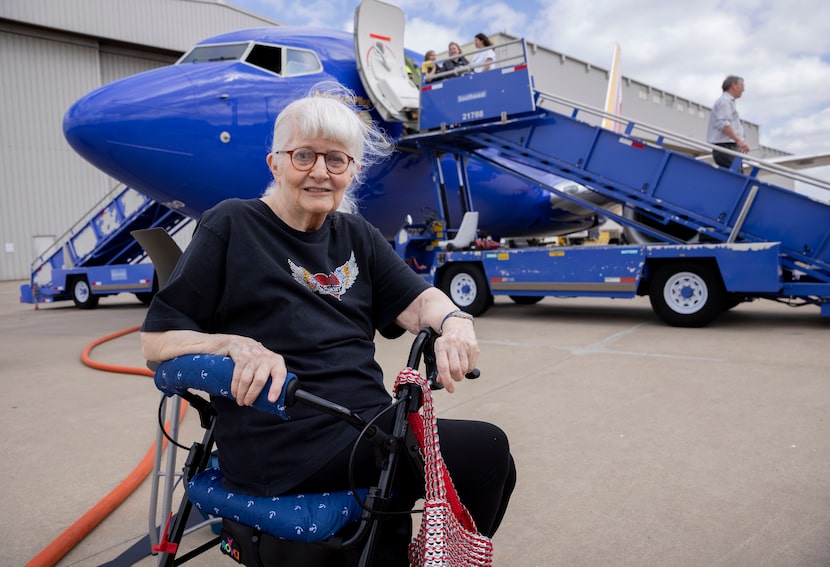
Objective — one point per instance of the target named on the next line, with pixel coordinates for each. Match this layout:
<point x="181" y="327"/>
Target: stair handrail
<point x="504" y="58"/>
<point x="704" y="147"/>
<point x="61" y="240"/>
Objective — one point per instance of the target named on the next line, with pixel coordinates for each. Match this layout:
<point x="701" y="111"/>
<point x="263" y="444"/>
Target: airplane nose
<point x="117" y="128"/>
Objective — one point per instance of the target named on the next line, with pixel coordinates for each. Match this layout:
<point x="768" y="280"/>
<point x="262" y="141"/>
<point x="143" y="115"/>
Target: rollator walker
<point x="310" y="527"/>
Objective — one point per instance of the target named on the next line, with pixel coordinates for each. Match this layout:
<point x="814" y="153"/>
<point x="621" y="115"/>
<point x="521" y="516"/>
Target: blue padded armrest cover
<point x="211" y="373"/>
<point x="296" y="517"/>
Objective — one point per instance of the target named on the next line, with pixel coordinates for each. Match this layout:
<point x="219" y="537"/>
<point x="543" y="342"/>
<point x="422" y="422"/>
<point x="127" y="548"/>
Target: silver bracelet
<point x="457" y="313"/>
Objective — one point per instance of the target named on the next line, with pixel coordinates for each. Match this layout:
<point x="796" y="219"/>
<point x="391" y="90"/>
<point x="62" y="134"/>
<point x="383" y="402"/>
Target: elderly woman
<point x="295" y="282"/>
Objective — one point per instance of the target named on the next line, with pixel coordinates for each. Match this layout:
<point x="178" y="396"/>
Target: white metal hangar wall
<point x="52" y="53"/>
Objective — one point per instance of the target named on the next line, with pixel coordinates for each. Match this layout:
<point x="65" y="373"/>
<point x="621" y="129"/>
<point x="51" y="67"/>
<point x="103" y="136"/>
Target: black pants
<point x="722" y="159"/>
<point x="482" y="469"/>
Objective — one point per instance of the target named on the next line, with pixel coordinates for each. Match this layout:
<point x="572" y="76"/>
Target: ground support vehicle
<point x="707" y="238"/>
<point x="689" y="285"/>
<point x="98" y="256"/>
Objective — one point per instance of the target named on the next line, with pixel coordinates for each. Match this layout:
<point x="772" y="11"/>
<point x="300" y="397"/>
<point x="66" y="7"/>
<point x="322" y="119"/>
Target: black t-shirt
<point x="316" y="298"/>
<point x="457" y="63"/>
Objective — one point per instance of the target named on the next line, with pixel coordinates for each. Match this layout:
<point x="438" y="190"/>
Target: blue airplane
<point x="195" y="133"/>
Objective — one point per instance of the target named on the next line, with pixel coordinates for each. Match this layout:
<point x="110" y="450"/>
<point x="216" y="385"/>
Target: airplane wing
<point x="613" y="96"/>
<point x="803" y="161"/>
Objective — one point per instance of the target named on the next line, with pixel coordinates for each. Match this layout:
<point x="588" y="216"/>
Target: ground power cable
<point x="74" y="534"/>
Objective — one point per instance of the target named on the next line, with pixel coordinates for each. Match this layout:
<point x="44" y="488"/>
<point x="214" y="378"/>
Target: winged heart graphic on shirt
<point x="334" y="284"/>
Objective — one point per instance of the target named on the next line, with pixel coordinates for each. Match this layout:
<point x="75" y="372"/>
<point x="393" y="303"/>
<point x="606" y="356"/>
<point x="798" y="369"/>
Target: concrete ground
<point x="637" y="444"/>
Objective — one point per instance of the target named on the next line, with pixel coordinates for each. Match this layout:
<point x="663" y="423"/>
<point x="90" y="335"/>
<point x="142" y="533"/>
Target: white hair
<point x="329" y="111"/>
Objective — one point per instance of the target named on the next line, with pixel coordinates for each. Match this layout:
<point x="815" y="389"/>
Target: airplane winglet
<point x="613" y="97"/>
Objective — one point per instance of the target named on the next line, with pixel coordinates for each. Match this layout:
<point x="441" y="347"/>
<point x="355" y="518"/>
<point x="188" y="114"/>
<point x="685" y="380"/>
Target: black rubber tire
<point x="82" y="294"/>
<point x="687" y="294"/>
<point x="466" y="285"/>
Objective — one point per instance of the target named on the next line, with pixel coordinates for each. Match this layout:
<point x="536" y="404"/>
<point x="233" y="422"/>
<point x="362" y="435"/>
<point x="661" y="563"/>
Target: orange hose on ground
<point x="70" y="537"/>
<point x="112" y="367"/>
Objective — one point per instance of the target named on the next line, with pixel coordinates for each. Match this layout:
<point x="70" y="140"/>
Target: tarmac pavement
<point x="637" y="444"/>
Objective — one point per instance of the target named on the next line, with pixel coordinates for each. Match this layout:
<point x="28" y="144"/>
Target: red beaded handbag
<point x="448" y="536"/>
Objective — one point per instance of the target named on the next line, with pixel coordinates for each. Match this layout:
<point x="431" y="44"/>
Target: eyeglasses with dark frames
<point x="303" y="159"/>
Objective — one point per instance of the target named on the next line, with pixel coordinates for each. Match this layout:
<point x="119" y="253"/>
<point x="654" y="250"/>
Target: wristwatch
<point x="457" y="313"/>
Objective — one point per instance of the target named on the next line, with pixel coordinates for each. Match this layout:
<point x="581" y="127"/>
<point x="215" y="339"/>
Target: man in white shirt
<point x="725" y="128"/>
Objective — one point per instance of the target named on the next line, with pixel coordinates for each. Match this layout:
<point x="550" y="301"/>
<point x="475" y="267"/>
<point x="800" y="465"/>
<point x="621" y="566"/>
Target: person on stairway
<point x="483" y="60"/>
<point x="456" y="60"/>
<point x="725" y="128"/>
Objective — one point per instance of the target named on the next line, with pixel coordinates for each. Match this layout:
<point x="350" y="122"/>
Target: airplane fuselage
<point x="195" y="133"/>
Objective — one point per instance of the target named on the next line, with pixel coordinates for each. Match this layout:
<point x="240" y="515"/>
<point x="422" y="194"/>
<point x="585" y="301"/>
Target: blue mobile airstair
<point x="98" y="256"/>
<point x="751" y="237"/>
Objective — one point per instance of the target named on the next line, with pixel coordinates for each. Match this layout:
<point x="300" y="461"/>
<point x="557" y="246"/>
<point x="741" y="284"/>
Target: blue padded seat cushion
<point x="295" y="517"/>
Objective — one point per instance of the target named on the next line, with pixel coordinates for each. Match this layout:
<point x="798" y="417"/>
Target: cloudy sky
<point x="780" y="47"/>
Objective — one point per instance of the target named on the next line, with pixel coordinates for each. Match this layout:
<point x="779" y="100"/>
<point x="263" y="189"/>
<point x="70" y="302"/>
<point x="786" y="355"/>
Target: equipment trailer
<point x="98" y="256"/>
<point x="708" y="238"/>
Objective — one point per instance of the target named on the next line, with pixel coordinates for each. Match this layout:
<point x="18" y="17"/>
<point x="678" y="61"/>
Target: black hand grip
<point x="290" y="393"/>
<point x="434" y="384"/>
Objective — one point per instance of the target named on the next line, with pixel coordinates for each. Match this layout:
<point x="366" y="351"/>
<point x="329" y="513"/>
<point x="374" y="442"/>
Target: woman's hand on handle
<point x="456" y="352"/>
<point x="253" y="363"/>
<point x="253" y="366"/>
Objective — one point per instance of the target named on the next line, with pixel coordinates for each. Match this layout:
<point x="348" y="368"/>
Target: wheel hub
<point x="686" y="292"/>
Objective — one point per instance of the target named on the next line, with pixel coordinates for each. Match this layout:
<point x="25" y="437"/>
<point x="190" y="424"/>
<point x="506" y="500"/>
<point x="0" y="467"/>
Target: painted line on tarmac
<point x="600" y="347"/>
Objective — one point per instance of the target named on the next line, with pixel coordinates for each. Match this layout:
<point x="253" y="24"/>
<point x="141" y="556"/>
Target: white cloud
<point x="781" y="49"/>
<point x="808" y="134"/>
<point x="422" y="35"/>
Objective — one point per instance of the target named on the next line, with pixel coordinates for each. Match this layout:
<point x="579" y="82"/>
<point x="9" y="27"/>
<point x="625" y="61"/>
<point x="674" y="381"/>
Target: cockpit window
<point x="205" y="53"/>
<point x="298" y="62"/>
<point x="285" y="61"/>
<point x="267" y="57"/>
